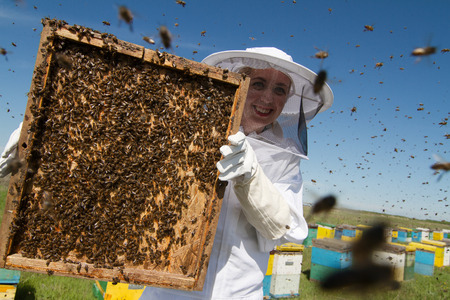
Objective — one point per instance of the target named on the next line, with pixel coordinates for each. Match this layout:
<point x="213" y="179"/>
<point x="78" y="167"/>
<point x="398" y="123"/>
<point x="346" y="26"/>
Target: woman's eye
<point x="258" y="84"/>
<point x="280" y="91"/>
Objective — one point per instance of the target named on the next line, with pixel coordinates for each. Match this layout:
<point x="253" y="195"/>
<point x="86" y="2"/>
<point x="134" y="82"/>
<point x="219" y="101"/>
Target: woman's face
<point x="266" y="97"/>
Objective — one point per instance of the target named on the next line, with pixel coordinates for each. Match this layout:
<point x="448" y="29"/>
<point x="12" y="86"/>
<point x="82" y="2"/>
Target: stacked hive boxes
<point x="439" y="251"/>
<point x="438" y="235"/>
<point x="348" y="232"/>
<point x="328" y="256"/>
<point x="410" y="257"/>
<point x="446" y="252"/>
<point x="393" y="256"/>
<point x="404" y="235"/>
<point x="425" y="255"/>
<point x="422" y="233"/>
<point x="325" y="230"/>
<point x="287" y="267"/>
<point x="8" y="283"/>
<point x="446" y="233"/>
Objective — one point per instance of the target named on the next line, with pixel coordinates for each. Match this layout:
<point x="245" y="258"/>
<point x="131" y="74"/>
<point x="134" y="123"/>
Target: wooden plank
<point x="119" y="145"/>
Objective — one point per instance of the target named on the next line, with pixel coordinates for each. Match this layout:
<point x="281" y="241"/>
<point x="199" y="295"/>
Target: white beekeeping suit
<point x="9" y="154"/>
<point x="264" y="207"/>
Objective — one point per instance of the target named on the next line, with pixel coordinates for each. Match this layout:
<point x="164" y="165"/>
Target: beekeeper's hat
<point x="270" y="57"/>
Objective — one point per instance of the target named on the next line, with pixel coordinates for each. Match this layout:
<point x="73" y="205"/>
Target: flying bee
<point x="321" y="54"/>
<point x="371" y="239"/>
<point x="423" y="51"/>
<point x="182" y="3"/>
<point x="378" y="65"/>
<point x="106" y="23"/>
<point x="445" y="50"/>
<point x="4" y="52"/>
<point x="322" y="205"/>
<point x="353" y="110"/>
<point x="203" y="33"/>
<point x="440" y="164"/>
<point x="368" y="27"/>
<point x="166" y="36"/>
<point x="148" y="40"/>
<point x="320" y="81"/>
<point x="126" y="15"/>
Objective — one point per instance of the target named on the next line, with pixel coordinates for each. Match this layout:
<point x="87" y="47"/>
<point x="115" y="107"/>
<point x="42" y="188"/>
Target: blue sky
<point x="377" y="158"/>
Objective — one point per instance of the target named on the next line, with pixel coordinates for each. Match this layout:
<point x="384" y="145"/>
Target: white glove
<point x="239" y="159"/>
<point x="9" y="155"/>
<point x="262" y="204"/>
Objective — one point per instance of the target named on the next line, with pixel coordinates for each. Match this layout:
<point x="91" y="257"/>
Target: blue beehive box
<point x="424" y="261"/>
<point x="328" y="256"/>
<point x="9" y="276"/>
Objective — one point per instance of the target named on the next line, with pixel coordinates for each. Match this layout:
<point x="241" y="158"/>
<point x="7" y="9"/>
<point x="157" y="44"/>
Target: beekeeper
<point x="262" y="205"/>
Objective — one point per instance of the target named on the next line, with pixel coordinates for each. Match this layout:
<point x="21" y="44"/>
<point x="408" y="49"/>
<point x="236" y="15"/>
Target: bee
<point x="378" y="65"/>
<point x="4" y="52"/>
<point x="445" y="50"/>
<point x="353" y="110"/>
<point x="148" y="40"/>
<point x="203" y="33"/>
<point x="443" y="122"/>
<point x="126" y="15"/>
<point x="361" y="278"/>
<point x="63" y="60"/>
<point x="321" y="54"/>
<point x="440" y="164"/>
<point x="106" y="23"/>
<point x="166" y="36"/>
<point x="182" y="3"/>
<point x="324" y="204"/>
<point x="320" y="81"/>
<point x="423" y="51"/>
<point x="368" y="27"/>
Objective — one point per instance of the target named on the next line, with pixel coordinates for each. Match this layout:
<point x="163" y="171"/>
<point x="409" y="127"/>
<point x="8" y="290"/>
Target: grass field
<point x="43" y="286"/>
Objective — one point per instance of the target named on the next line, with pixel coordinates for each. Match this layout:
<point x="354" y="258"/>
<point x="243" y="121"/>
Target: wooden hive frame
<point x="161" y="215"/>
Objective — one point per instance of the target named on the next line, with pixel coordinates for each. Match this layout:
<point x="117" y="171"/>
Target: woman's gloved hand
<point x="262" y="204"/>
<point x="239" y="159"/>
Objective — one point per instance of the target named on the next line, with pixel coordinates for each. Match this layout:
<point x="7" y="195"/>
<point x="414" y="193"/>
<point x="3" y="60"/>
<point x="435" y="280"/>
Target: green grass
<point x="43" y="286"/>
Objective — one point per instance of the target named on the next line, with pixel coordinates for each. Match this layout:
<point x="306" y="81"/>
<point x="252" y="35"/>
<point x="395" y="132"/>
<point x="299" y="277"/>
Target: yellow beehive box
<point x="439" y="252"/>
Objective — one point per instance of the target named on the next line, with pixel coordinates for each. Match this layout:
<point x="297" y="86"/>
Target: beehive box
<point x="446" y="252"/>
<point x="423" y="233"/>
<point x="329" y="256"/>
<point x="440" y="251"/>
<point x="410" y="257"/>
<point x="348" y="232"/>
<point x="286" y="271"/>
<point x="117" y="152"/>
<point x="393" y="256"/>
<point x="425" y="258"/>
<point x="325" y="230"/>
